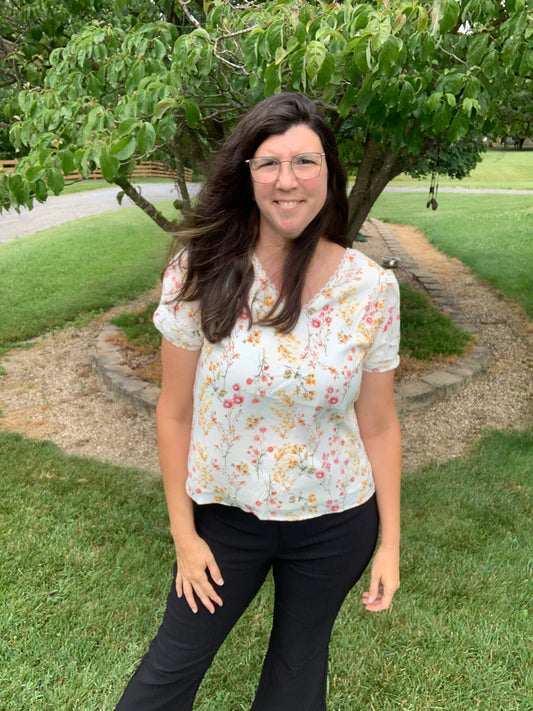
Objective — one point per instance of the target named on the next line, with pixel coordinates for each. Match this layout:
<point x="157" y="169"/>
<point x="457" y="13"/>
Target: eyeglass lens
<point x="305" y="166"/>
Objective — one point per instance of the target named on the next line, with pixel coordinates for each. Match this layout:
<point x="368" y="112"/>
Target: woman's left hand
<point x="384" y="579"/>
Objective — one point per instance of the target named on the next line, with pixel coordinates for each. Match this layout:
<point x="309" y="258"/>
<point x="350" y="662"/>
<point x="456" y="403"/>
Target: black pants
<point x="315" y="563"/>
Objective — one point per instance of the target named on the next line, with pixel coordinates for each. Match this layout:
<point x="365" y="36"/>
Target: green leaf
<point x="166" y="128"/>
<point x="526" y="63"/>
<point x="361" y="18"/>
<point x="146" y="137"/>
<point x="390" y="53"/>
<point x="272" y="79"/>
<point x="126" y="127"/>
<point x="459" y="127"/>
<point x="67" y="161"/>
<point x="445" y="14"/>
<point x="383" y="33"/>
<point x="41" y="191"/>
<point x="347" y="101"/>
<point x="477" y="47"/>
<point x="360" y="53"/>
<point x="124" y="148"/>
<point x="34" y="172"/>
<point x="55" y="180"/>
<point x="326" y="71"/>
<point x="442" y="117"/>
<point x="19" y="188"/>
<point x="297" y="64"/>
<point x="407" y="95"/>
<point x="274" y="36"/>
<point x="434" y="100"/>
<point x="470" y="105"/>
<point x="415" y="140"/>
<point x="162" y="107"/>
<point x="452" y="82"/>
<point x="489" y="65"/>
<point x="450" y="99"/>
<point x="314" y="58"/>
<point x="109" y="165"/>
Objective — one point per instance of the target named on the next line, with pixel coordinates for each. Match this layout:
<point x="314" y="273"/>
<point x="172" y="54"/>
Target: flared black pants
<point x="315" y="562"/>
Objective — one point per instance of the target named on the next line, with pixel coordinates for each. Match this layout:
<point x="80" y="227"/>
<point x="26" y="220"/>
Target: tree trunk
<point x="147" y="207"/>
<point x="378" y="166"/>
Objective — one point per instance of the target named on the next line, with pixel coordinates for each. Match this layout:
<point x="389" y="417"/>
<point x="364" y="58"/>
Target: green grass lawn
<point x="83" y="186"/>
<point x="492" y="234"/>
<point x="86" y="558"/>
<point x="77" y="269"/>
<point x="497" y="169"/>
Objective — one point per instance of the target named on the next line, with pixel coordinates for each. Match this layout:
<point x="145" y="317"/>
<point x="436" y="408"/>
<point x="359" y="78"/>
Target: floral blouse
<point x="274" y="428"/>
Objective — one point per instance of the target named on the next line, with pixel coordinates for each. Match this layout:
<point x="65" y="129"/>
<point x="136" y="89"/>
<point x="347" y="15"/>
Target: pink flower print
<point x="333" y="400"/>
<point x="270" y="449"/>
<point x="258" y="503"/>
<point x="262" y="393"/>
<point x="243" y="314"/>
<point x="228" y="403"/>
<point x="238" y="399"/>
<point x="262" y="429"/>
<point x="255" y="400"/>
<point x="237" y="387"/>
<point x="198" y="490"/>
<point x="315" y="323"/>
<point x="330" y="390"/>
<point x="369" y="319"/>
<point x="334" y="508"/>
<point x="320" y="475"/>
<point x="249" y="381"/>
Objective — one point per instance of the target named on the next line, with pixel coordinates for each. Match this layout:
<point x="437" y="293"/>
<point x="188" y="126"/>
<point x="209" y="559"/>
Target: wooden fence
<point x="150" y="169"/>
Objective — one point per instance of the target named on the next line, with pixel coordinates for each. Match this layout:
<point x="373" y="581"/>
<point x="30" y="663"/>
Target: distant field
<point x="492" y="234"/>
<point x="498" y="169"/>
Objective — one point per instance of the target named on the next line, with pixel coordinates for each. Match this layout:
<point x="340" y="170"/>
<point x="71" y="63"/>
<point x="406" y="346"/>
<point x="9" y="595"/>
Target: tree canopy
<point x="395" y="78"/>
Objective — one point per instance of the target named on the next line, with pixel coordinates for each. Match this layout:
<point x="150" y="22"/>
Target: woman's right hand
<point x="195" y="561"/>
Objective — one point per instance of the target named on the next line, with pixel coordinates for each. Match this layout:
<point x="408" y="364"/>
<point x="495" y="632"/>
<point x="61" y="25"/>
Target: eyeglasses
<point x="266" y="169"/>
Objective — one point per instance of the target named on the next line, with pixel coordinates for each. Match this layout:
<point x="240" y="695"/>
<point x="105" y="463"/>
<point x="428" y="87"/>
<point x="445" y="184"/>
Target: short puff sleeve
<point x="178" y="321"/>
<point x="383" y="353"/>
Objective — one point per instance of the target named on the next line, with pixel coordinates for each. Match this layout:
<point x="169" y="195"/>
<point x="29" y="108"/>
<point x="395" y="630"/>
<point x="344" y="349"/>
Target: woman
<point x="278" y="437"/>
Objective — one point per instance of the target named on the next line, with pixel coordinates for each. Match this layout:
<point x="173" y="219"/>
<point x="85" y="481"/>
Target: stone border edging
<point x="109" y="365"/>
<point x="434" y="386"/>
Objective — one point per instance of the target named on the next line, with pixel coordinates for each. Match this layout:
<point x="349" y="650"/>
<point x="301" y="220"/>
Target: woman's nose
<point x="286" y="177"/>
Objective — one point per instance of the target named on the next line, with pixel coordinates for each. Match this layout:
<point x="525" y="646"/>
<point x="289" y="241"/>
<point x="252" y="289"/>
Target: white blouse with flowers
<point x="274" y="429"/>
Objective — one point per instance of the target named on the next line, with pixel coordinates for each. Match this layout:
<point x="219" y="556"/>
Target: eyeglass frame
<point x="279" y="162"/>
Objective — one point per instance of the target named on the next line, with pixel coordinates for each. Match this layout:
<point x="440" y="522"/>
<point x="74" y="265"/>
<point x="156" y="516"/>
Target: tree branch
<point x="147" y="207"/>
<point x="184" y="4"/>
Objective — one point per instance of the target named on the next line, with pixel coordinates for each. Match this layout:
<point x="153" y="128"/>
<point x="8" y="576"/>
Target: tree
<point x="395" y="77"/>
<point x="516" y="113"/>
<point x="29" y="31"/>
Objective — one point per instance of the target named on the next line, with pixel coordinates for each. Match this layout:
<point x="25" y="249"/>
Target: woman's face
<point x="287" y="205"/>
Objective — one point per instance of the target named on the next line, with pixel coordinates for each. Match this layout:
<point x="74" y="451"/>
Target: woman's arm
<point x="380" y="432"/>
<point x="174" y="418"/>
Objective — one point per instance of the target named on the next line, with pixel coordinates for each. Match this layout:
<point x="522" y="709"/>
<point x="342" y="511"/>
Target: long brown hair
<point x="221" y="234"/>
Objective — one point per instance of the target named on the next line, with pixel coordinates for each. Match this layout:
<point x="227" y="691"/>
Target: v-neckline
<point x="322" y="289"/>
